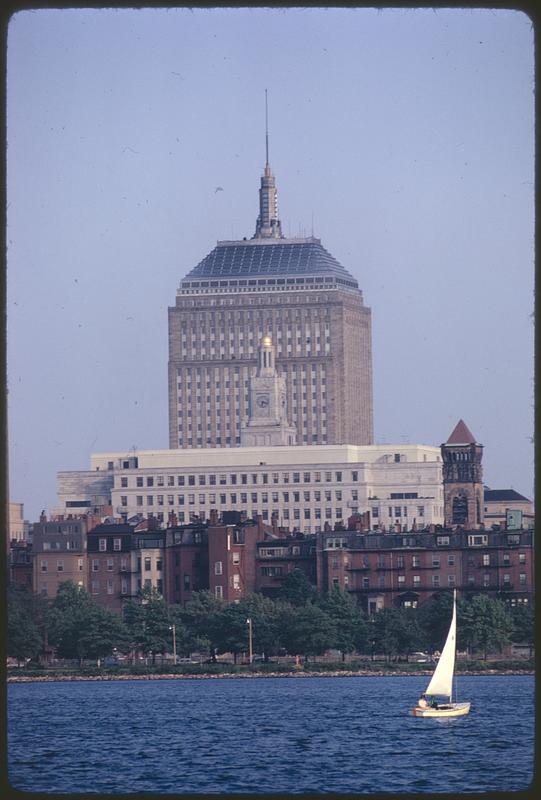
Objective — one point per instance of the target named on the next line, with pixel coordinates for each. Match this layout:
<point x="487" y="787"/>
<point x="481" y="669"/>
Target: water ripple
<point x="338" y="735"/>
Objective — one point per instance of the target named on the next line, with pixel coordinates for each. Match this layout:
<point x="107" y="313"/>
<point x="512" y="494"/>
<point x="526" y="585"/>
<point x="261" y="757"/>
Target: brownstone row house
<point x="232" y="557"/>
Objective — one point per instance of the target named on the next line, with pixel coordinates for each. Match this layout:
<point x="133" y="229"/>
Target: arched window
<point x="460" y="510"/>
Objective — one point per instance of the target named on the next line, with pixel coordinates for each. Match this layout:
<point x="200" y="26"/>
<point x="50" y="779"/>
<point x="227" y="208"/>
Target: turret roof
<point x="461" y="434"/>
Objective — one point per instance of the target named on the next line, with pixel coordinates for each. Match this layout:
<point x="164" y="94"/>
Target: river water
<point x="256" y="735"/>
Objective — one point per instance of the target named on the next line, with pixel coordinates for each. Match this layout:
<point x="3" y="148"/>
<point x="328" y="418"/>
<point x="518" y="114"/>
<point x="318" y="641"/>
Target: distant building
<point x="294" y="291"/>
<point x="20" y="565"/>
<point x="59" y="554"/>
<point x="508" y="509"/>
<point x="18" y="526"/>
<point x="463" y="478"/>
<point x="305" y="487"/>
<point x="406" y="569"/>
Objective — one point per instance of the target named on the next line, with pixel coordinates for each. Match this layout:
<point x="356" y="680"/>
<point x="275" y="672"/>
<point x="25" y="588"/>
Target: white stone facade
<point x="305" y="485"/>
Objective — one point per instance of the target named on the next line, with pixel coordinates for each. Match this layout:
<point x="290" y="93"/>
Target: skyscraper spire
<point x="266" y="130"/>
<point x="268" y="226"/>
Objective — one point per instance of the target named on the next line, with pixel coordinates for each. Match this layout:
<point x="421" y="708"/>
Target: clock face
<point x="262" y="401"/>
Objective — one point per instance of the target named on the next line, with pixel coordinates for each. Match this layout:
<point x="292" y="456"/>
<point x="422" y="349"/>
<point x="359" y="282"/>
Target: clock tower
<point x="267" y="421"/>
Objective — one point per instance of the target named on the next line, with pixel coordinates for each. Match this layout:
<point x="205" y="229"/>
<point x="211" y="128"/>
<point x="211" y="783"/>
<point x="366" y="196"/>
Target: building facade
<point x="406" y="569"/>
<point x="506" y="506"/>
<point x="303" y="486"/>
<point x="294" y="291"/>
<point x="463" y="478"/>
<point x="59" y="553"/>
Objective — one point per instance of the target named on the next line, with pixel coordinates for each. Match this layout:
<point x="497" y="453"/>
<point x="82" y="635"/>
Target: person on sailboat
<point x="422" y="702"/>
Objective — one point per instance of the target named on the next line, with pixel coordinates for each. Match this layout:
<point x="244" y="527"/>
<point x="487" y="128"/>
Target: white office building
<point x="306" y="486"/>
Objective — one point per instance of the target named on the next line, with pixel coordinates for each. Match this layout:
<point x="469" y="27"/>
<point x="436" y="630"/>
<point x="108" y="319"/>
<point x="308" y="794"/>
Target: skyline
<point x="416" y="173"/>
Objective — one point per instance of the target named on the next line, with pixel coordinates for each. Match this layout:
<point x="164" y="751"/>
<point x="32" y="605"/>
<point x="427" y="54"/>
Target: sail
<point x="442" y="679"/>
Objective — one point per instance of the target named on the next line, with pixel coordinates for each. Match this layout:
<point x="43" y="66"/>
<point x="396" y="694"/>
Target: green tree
<point x="231" y="631"/>
<point x="523" y="626"/>
<point x="264" y="613"/>
<point x="24" y="636"/>
<point x="306" y="630"/>
<point x="297" y="589"/>
<point x="349" y="623"/>
<point x="434" y="619"/>
<point x="485" y="625"/>
<point x="410" y="633"/>
<point x="79" y="628"/>
<point x="395" y="632"/>
<point x="201" y="618"/>
<point x="149" y="624"/>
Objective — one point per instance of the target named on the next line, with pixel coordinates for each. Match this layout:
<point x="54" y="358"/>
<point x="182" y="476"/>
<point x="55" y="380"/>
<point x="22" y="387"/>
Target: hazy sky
<point x="407" y="136"/>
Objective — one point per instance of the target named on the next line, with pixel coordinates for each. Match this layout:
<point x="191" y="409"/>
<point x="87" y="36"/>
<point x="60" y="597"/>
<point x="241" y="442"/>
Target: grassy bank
<point x="522" y="666"/>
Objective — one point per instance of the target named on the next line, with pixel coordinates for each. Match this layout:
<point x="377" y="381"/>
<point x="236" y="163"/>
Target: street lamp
<point x="249" y="623"/>
<point x="173" y="628"/>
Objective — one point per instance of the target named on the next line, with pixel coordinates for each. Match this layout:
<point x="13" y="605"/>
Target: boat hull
<point x="447" y="710"/>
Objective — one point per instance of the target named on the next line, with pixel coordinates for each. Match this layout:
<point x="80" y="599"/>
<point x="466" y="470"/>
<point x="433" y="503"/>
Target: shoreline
<point x="236" y="675"/>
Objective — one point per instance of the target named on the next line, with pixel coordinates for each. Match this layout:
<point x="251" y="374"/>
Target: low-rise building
<point x="407" y="568"/>
<point x="508" y="509"/>
<point x="303" y="487"/>
<point x="59" y="554"/>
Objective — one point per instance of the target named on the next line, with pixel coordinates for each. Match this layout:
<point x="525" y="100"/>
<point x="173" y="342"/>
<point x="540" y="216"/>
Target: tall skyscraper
<point x="294" y="291"/>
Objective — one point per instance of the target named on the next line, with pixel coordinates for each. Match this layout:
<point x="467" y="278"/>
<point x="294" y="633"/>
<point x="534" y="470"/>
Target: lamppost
<point x="249" y="623"/>
<point x="173" y="628"/>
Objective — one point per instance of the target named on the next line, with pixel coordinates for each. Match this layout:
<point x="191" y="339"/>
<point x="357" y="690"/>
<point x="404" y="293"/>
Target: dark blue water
<point x="288" y="735"/>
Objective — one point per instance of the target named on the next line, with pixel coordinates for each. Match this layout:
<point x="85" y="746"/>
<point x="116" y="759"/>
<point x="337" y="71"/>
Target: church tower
<point x="463" y="479"/>
<point x="267" y="421"/>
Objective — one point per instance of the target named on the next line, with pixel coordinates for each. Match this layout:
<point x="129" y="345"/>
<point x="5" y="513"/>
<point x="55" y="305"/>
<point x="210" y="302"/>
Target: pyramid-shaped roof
<point x="268" y="257"/>
<point x="461" y="434"/>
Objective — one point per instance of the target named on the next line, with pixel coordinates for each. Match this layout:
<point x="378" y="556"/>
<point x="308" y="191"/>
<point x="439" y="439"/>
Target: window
<point x="80" y="564"/>
<point x="102" y="545"/>
<point x="150" y="481"/>
<point x="522" y="558"/>
<point x="60" y="566"/>
<point x="218" y="567"/>
<point x="139" y="481"/>
<point x="117" y="543"/>
<point x="124" y="483"/>
<point x="148" y="564"/>
<point x="442" y="540"/>
<point x="416" y="580"/>
<point x="236" y="558"/>
<point x="486" y="560"/>
<point x="95" y="564"/>
<point x="451" y="560"/>
<point x="219" y="592"/>
<point x="95" y="587"/>
<point x="110" y="587"/>
<point x="110" y="564"/>
<point x="451" y="579"/>
<point x="415" y="561"/>
<point x="435" y="561"/>
<point x="435" y="580"/>
<point x="522" y="579"/>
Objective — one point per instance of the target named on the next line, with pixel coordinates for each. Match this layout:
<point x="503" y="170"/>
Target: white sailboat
<point x="441" y="683"/>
